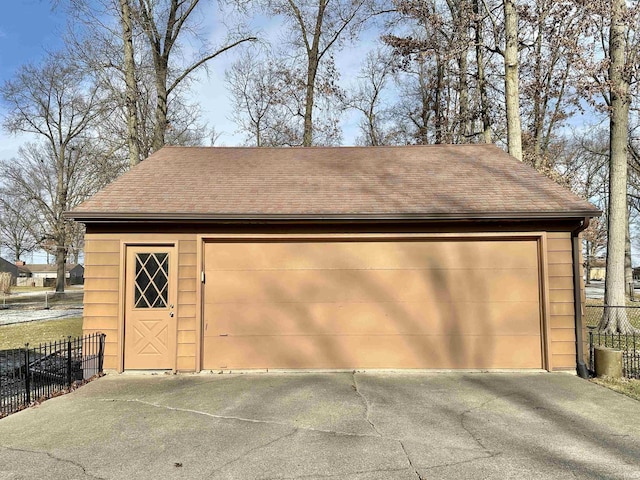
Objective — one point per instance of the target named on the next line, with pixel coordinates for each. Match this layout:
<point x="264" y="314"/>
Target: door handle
<point x="171" y="314"/>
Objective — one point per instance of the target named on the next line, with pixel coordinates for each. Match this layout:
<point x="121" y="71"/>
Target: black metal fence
<point x="32" y="374"/>
<point x="628" y="344"/>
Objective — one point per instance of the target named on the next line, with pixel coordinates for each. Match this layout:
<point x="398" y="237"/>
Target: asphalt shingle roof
<point x="439" y="181"/>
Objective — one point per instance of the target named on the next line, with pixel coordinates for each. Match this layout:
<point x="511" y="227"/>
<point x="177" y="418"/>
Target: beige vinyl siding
<point x="562" y="345"/>
<point x="583" y="302"/>
<point x="187" y="284"/>
<point x="103" y="307"/>
<point x="103" y="311"/>
<point x="101" y="290"/>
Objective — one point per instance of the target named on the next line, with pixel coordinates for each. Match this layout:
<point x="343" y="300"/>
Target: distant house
<point x="45" y="275"/>
<point x="9" y="267"/>
<point x="596" y="269"/>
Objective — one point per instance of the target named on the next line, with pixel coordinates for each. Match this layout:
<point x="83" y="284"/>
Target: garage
<point x="372" y="304"/>
<point x="335" y="258"/>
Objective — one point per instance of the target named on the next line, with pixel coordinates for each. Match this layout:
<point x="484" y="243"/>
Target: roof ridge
<point x="330" y="147"/>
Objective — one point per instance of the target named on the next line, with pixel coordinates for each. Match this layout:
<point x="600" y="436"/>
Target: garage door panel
<point x="482" y="254"/>
<point x="372" y="304"/>
<point x="464" y="318"/>
<point x="370" y="285"/>
<point x="371" y="351"/>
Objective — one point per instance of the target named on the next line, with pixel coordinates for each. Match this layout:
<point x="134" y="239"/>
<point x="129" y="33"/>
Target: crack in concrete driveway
<point x="55" y="458"/>
<point x="340" y="425"/>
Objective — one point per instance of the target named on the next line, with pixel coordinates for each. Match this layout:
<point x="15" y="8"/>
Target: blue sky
<point x="27" y="29"/>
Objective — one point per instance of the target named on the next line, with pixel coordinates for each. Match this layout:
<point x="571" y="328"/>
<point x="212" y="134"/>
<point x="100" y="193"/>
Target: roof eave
<point x="101" y="217"/>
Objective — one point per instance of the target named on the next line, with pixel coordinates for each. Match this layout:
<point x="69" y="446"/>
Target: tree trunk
<point x="461" y="18"/>
<point x="59" y="235"/>
<point x="614" y="320"/>
<point x="61" y="255"/>
<point x="161" y="123"/>
<point x="538" y="113"/>
<point x="482" y="84"/>
<point x="587" y="264"/>
<point x="313" y="61"/>
<point x="131" y="89"/>
<point x="463" y="88"/>
<point x="511" y="79"/>
<point x="422" y="135"/>
<point x="371" y="122"/>
<point x="437" y="104"/>
<point x="161" y="44"/>
<point x="628" y="269"/>
<point x="307" y="136"/>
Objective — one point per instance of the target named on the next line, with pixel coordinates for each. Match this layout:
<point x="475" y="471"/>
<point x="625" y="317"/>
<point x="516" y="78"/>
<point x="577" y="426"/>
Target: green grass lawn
<point x="16" y="335"/>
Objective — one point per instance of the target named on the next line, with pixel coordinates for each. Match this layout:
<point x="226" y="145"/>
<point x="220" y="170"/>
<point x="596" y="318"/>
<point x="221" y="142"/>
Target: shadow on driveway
<point x="340" y="425"/>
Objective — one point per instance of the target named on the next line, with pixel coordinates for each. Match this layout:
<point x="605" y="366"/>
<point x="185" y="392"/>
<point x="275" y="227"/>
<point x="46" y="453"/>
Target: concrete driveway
<point x="363" y="426"/>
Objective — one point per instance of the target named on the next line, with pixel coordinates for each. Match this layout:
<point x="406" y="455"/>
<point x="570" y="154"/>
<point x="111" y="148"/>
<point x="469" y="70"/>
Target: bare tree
<point x="483" y="101"/>
<point x="255" y="89"/>
<point x="461" y="12"/>
<point x="367" y="97"/>
<point x="438" y="50"/>
<point x="131" y="85"/>
<point x="614" y="319"/>
<point x="75" y="242"/>
<point x="413" y="111"/>
<point x="17" y="224"/>
<point x="162" y="22"/>
<point x="268" y="92"/>
<point x="317" y="28"/>
<point x="551" y="32"/>
<point x="104" y="37"/>
<point x="133" y="50"/>
<point x="53" y="102"/>
<point x="512" y="79"/>
<point x="584" y="163"/>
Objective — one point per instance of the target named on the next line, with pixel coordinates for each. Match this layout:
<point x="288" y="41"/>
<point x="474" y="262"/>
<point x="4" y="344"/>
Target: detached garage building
<point x="334" y="258"/>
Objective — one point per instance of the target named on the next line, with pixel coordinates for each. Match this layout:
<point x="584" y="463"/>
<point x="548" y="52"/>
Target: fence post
<point x="27" y="380"/>
<point x="591" y="350"/>
<point x="69" y="361"/>
<point x="100" y="351"/>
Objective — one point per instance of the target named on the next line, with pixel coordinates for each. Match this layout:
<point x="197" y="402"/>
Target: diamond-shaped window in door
<point x="152" y="280"/>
